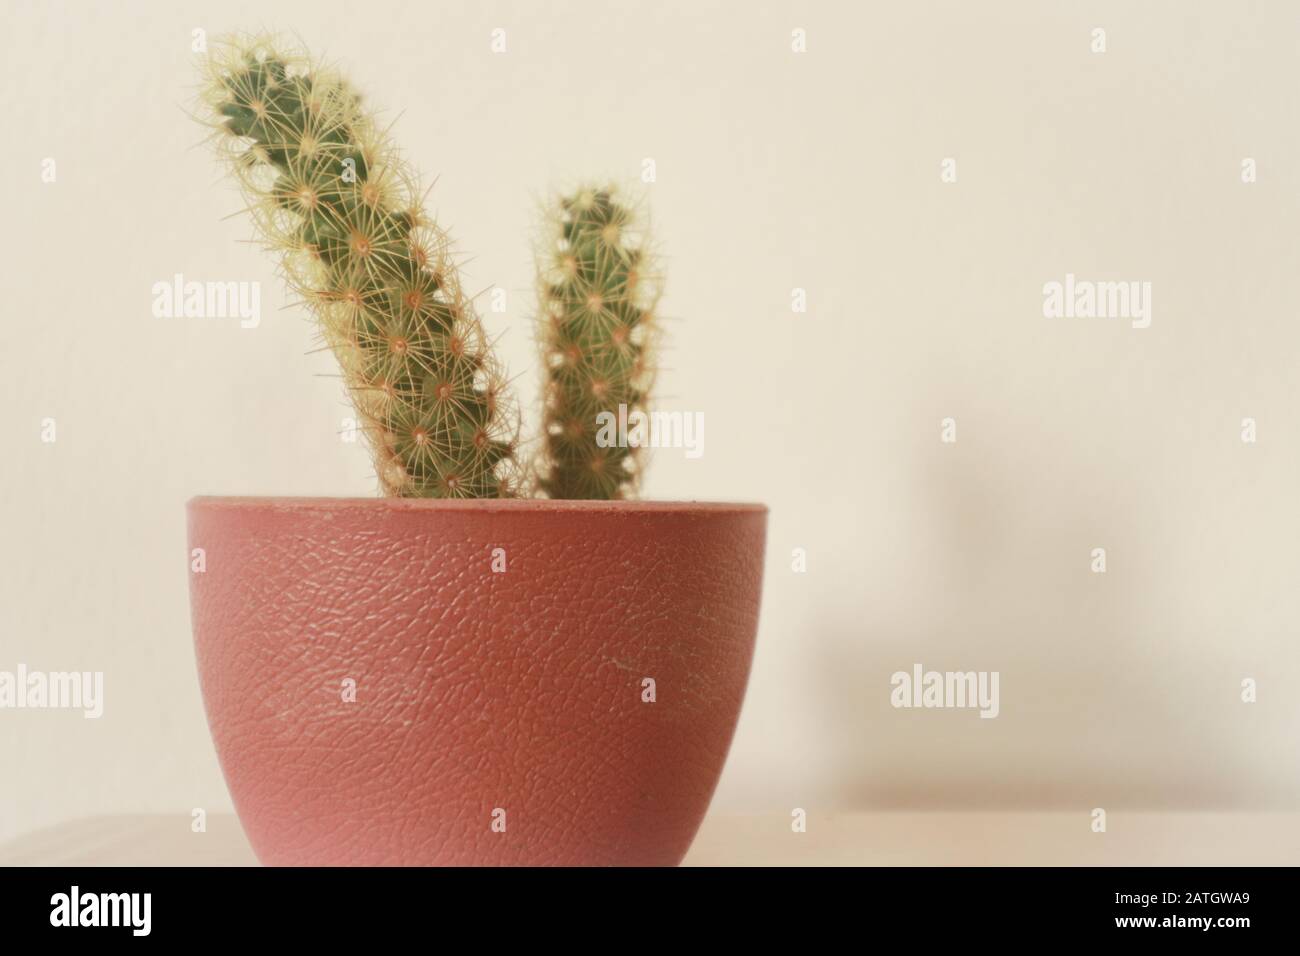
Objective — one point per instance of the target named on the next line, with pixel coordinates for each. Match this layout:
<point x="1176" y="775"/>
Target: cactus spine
<point x="329" y="192"/>
<point x="598" y="293"/>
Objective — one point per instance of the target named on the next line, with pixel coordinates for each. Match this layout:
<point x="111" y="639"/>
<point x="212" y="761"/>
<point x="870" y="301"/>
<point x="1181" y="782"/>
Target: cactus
<point x="329" y="192"/>
<point x="597" y="291"/>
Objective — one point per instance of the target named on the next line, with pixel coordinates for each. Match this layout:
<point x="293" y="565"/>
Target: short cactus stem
<point x="598" y="291"/>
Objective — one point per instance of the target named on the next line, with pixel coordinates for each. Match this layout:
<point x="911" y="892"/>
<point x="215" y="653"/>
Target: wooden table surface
<point x="873" y="838"/>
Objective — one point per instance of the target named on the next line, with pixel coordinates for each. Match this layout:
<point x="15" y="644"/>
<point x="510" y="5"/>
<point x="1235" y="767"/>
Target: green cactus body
<point x="598" y="295"/>
<point x="328" y="191"/>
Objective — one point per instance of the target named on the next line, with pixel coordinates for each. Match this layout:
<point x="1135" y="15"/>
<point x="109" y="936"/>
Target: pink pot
<point x="398" y="681"/>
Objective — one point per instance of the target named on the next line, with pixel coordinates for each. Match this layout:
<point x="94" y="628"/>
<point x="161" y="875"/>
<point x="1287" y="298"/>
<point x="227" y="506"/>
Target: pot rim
<point x="541" y="505"/>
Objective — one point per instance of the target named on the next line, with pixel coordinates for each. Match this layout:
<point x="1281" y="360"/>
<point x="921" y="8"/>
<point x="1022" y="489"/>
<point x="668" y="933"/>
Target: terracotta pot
<point x="466" y="682"/>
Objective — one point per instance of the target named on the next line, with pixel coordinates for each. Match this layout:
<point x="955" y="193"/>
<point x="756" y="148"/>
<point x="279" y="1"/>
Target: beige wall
<point x="775" y="170"/>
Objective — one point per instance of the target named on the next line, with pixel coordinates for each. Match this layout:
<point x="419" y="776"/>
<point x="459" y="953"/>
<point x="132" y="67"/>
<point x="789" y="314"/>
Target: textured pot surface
<point x="465" y="682"/>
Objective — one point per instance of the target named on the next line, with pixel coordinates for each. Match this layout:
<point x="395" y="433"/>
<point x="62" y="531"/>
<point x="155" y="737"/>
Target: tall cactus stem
<point x="330" y="194"/>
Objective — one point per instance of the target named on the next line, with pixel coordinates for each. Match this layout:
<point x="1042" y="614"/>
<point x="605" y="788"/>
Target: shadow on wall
<point x="1099" y="704"/>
